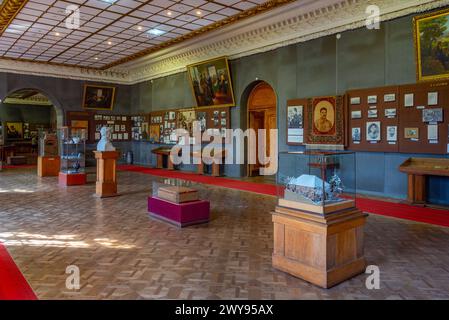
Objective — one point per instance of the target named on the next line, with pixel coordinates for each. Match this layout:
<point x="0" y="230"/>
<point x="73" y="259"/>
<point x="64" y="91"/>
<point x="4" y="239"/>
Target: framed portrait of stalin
<point x="325" y="120"/>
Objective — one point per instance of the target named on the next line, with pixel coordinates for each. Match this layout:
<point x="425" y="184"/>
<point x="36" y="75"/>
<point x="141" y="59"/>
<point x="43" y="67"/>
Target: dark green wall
<point x="26" y="113"/>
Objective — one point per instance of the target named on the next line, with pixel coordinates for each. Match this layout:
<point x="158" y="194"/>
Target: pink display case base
<point x="182" y="214"/>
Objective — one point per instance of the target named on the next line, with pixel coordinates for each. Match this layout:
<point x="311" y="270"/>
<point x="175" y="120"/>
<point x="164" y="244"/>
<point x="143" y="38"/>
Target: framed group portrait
<point x="431" y="40"/>
<point x="98" y="97"/>
<point x="295" y="124"/>
<point x="211" y="83"/>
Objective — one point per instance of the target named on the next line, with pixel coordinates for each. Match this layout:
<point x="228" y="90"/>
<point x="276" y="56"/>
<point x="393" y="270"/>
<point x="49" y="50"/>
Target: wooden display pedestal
<point x="106" y="185"/>
<point x="48" y="166"/>
<point x="72" y="179"/>
<point x="322" y="249"/>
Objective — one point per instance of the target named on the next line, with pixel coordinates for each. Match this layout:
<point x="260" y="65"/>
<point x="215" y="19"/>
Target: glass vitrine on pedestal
<point x="48" y="161"/>
<point x="318" y="230"/>
<point x="72" y="148"/>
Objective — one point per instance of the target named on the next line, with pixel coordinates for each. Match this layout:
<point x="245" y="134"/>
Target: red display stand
<point x="182" y="214"/>
<point x="72" y="179"/>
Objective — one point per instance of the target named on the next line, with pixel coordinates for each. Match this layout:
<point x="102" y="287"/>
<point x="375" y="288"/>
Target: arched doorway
<point x="23" y="112"/>
<point x="261" y="114"/>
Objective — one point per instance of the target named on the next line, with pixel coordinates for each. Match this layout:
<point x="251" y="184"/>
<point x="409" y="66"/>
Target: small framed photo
<point x="216" y="113"/>
<point x="356" y="134"/>
<point x="223" y="122"/>
<point x="392" y="133"/>
<point x="372" y="99"/>
<point x="390" y="113"/>
<point x="409" y="100"/>
<point x="123" y="128"/>
<point x="373" y="131"/>
<point x="372" y="113"/>
<point x="223" y="114"/>
<point x="124" y="118"/>
<point x="432" y="115"/>
<point x="172" y="115"/>
<point x="411" y="133"/>
<point x="390" y="97"/>
<point x="355" y="100"/>
<point x="356" y="114"/>
<point x="432" y="98"/>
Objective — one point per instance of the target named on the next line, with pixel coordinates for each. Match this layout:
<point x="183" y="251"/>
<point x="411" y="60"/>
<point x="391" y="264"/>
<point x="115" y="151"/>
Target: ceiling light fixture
<point x="139" y="28"/>
<point x="169" y="13"/>
<point x="57" y="34"/>
<point x="109" y="1"/>
<point x="109" y="43"/>
<point x="198" y="12"/>
<point x="156" y="32"/>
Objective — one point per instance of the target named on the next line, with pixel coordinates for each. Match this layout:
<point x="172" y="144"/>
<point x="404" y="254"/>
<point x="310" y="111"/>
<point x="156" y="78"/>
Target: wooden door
<point x="261" y="115"/>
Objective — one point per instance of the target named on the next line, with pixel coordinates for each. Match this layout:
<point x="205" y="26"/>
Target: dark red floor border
<point x="385" y="208"/>
<point x="13" y="285"/>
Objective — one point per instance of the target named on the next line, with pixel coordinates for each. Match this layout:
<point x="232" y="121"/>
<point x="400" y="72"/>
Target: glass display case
<point x="317" y="181"/>
<point x="72" y="150"/>
<point x="48" y="143"/>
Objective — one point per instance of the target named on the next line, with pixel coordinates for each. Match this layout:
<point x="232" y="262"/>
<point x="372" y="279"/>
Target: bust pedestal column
<point x="48" y="166"/>
<point x="106" y="173"/>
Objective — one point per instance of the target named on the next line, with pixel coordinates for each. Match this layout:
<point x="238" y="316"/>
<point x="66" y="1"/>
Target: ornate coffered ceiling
<point x="291" y="23"/>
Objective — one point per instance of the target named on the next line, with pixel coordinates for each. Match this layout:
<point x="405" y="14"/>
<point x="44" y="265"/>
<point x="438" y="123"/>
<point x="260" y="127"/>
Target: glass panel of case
<point x="48" y="143"/>
<point x="315" y="180"/>
<point x="72" y="150"/>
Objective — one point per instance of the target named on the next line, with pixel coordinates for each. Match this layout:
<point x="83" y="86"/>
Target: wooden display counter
<point x="322" y="249"/>
<point x="215" y="166"/>
<point x="48" y="166"/>
<point x="417" y="170"/>
<point x="160" y="153"/>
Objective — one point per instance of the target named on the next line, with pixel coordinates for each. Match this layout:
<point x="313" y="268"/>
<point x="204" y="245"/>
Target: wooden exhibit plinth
<point x="72" y="179"/>
<point x="417" y="169"/>
<point x="322" y="249"/>
<point x="161" y="153"/>
<point x="179" y="214"/>
<point x="48" y="166"/>
<point x="106" y="185"/>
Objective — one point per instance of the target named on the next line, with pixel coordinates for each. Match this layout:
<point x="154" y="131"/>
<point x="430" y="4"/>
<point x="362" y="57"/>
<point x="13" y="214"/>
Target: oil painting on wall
<point x="432" y="45"/>
<point x="211" y="83"/>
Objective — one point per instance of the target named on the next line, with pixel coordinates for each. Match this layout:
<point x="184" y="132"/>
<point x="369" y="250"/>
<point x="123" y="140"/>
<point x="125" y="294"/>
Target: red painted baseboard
<point x="13" y="285"/>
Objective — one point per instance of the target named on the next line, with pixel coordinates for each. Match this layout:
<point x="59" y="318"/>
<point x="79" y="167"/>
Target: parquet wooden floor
<point x="124" y="254"/>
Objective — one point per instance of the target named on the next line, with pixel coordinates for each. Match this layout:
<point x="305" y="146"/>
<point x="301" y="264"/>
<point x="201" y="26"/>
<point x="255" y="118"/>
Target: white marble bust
<point x="105" y="142"/>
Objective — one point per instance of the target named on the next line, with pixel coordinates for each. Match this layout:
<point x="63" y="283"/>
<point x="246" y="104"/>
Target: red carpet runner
<point x="385" y="208"/>
<point x="13" y="285"/>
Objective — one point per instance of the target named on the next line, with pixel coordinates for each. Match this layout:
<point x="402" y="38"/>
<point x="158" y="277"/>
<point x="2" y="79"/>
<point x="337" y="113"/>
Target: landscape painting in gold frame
<point x="98" y="97"/>
<point x="211" y="83"/>
<point x="431" y="38"/>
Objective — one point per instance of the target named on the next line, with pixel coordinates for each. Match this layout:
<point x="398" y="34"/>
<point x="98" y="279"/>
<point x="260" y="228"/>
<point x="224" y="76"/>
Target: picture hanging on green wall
<point x="431" y="33"/>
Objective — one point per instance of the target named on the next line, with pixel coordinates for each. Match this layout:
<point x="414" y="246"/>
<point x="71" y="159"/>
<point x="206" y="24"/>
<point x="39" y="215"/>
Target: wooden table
<point x="160" y="153"/>
<point x="215" y="166"/>
<point x="417" y="170"/>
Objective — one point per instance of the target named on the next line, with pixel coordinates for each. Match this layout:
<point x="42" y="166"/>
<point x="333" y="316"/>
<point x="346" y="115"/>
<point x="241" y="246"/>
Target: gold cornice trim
<point x="8" y="11"/>
<point x="233" y="19"/>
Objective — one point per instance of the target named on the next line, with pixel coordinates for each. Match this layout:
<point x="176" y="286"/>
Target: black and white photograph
<point x="390" y="113"/>
<point x="373" y="131"/>
<point x="356" y="114"/>
<point x="409" y="100"/>
<point x="295" y="117"/>
<point x="172" y="115"/>
<point x="432" y="98"/>
<point x="356" y="134"/>
<point x="390" y="97"/>
<point x="372" y="113"/>
<point x="223" y="122"/>
<point x="372" y="99"/>
<point x="223" y="114"/>
<point x="392" y="133"/>
<point x="355" y="100"/>
<point x="201" y="117"/>
<point x="432" y="115"/>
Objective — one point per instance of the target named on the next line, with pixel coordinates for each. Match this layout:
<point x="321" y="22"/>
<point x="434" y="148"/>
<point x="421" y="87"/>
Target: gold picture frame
<point x="431" y="50"/>
<point x="216" y="90"/>
<point x="98" y="97"/>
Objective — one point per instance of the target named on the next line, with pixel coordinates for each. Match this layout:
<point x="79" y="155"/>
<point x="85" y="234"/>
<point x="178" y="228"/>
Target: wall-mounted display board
<point x="81" y="120"/>
<point x="120" y="126"/>
<point x="140" y="130"/>
<point x="373" y="119"/>
<point x="162" y="124"/>
<point x="424" y="118"/>
<point x="295" y="121"/>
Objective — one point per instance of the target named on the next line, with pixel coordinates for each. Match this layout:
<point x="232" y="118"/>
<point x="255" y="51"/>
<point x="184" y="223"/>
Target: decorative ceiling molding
<point x="36" y="100"/>
<point x="289" y="24"/>
<point x="8" y="10"/>
<point x="219" y="24"/>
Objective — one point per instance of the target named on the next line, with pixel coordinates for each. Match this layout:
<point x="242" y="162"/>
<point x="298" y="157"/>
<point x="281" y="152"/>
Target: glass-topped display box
<point x="48" y="143"/>
<point x="72" y="150"/>
<point x="320" y="182"/>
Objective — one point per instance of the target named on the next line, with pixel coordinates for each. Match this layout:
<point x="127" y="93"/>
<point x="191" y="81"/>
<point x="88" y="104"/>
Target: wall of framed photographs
<point x="407" y="119"/>
<point x="373" y="119"/>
